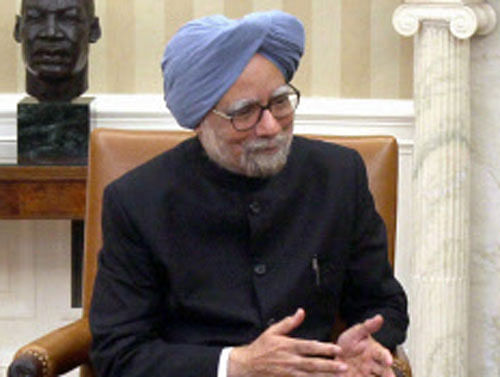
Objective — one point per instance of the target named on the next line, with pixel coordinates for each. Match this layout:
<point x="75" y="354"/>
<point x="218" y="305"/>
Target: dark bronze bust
<point x="55" y="35"/>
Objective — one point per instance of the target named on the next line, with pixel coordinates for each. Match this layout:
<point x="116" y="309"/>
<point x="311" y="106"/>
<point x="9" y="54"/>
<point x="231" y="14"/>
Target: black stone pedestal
<point x="53" y="133"/>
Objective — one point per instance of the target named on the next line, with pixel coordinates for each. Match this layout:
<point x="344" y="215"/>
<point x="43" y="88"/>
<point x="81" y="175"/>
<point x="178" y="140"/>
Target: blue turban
<point x="206" y="56"/>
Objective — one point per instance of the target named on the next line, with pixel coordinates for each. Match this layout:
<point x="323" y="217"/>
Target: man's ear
<point x="95" y="30"/>
<point x="198" y="130"/>
<point x="17" y="28"/>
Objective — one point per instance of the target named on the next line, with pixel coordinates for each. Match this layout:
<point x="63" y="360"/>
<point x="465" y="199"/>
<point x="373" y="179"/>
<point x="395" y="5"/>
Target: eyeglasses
<point x="281" y="106"/>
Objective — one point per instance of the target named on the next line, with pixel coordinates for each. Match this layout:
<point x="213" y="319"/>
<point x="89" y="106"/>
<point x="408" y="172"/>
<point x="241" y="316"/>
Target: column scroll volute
<point x="464" y="20"/>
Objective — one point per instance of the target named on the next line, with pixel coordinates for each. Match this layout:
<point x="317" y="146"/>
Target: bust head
<point x="55" y="35"/>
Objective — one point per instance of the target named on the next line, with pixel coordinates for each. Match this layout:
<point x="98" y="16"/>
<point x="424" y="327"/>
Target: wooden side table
<point x="48" y="192"/>
<point x="42" y="192"/>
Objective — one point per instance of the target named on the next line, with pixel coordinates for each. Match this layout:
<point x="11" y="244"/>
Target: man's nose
<point x="51" y="28"/>
<point x="268" y="125"/>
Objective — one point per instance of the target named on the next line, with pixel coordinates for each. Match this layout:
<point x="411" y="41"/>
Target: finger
<point x="315" y="365"/>
<point x="315" y="348"/>
<point x="388" y="373"/>
<point x="353" y="337"/>
<point x="288" y="324"/>
<point x="382" y="372"/>
<point x="377" y="369"/>
<point x="382" y="362"/>
<point x="383" y="356"/>
<point x="373" y="324"/>
<point x="357" y="333"/>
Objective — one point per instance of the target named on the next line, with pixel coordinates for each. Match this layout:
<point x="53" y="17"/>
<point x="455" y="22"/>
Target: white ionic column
<point x="441" y="179"/>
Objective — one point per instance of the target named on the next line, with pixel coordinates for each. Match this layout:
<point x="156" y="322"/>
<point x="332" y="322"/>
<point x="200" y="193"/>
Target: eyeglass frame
<point x="262" y="108"/>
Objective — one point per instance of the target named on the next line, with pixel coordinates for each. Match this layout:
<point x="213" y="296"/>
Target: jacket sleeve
<point x="371" y="287"/>
<point x="128" y="307"/>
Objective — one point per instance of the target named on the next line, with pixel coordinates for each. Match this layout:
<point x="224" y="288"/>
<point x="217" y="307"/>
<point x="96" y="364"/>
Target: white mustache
<point x="264" y="143"/>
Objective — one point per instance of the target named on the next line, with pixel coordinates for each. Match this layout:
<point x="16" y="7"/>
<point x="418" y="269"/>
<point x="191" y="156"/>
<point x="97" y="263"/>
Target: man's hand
<point x="275" y="354"/>
<point x="363" y="355"/>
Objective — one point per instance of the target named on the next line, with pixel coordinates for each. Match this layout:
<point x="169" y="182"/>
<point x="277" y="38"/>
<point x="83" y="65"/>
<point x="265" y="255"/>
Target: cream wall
<point x="352" y="50"/>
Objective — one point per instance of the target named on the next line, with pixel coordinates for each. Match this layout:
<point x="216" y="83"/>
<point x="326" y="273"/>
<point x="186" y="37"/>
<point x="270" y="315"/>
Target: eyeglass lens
<point x="280" y="107"/>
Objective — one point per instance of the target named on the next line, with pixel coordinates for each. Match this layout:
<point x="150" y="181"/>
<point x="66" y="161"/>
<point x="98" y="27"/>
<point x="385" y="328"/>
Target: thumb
<point x="373" y="324"/>
<point x="288" y="324"/>
<point x="361" y="331"/>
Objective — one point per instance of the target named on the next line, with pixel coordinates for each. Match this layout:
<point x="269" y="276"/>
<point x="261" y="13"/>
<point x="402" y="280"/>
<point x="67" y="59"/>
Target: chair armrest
<point x="55" y="353"/>
<point x="401" y="365"/>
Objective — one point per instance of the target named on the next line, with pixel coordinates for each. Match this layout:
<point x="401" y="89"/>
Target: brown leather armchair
<point x="112" y="153"/>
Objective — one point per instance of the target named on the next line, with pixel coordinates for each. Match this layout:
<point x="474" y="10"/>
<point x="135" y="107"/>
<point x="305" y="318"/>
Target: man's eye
<point x="280" y="100"/>
<point x="244" y="112"/>
<point x="280" y="103"/>
<point x="33" y="14"/>
<point x="71" y="15"/>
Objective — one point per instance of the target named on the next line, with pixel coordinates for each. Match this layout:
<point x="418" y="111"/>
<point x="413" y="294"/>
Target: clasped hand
<point x="275" y="354"/>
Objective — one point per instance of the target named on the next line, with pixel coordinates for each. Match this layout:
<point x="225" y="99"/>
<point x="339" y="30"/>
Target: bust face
<point x="55" y="35"/>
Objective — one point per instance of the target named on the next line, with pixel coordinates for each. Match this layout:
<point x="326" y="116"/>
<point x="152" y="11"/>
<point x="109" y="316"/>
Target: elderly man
<point x="55" y="36"/>
<point x="230" y="254"/>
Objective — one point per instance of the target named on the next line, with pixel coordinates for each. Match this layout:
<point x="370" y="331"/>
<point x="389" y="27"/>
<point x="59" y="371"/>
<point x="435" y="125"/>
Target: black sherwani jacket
<point x="196" y="258"/>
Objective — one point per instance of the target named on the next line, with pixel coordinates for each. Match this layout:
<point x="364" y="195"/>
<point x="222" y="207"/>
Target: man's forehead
<point x="54" y="5"/>
<point x="243" y="101"/>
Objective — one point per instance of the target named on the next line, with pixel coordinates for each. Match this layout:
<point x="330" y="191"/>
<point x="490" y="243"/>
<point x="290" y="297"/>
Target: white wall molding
<point x="315" y="115"/>
<point x="8" y="110"/>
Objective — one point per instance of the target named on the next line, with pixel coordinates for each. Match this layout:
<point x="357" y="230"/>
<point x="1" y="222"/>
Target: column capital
<point x="464" y="20"/>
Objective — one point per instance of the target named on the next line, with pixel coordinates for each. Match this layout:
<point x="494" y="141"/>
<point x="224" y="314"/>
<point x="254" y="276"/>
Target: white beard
<point x="252" y="163"/>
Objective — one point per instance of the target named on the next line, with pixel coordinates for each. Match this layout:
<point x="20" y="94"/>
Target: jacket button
<point x="260" y="269"/>
<point x="254" y="207"/>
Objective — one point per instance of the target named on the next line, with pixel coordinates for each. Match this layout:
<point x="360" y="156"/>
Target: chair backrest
<point x="114" y="152"/>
